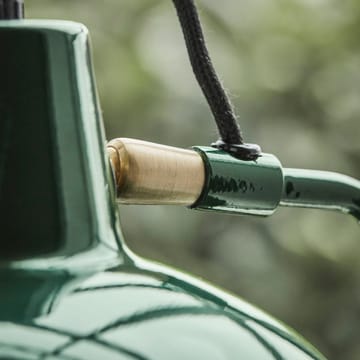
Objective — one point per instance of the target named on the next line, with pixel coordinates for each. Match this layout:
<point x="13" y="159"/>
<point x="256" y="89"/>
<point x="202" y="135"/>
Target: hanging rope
<point x="11" y="9"/>
<point x="231" y="139"/>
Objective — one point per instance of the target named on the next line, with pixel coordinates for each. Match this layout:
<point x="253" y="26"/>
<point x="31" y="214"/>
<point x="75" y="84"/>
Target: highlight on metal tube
<point x="321" y="190"/>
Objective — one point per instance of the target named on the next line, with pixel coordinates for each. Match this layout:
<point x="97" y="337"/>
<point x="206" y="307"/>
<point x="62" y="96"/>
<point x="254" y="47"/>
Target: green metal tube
<point x="258" y="188"/>
<point x="321" y="190"/>
<point x="240" y="187"/>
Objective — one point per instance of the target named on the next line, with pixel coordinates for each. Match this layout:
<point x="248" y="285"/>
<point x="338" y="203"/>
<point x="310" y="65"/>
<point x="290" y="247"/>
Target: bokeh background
<point x="292" y="68"/>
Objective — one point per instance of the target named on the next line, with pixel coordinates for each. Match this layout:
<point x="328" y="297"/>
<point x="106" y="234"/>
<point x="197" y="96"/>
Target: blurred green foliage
<point x="292" y="68"/>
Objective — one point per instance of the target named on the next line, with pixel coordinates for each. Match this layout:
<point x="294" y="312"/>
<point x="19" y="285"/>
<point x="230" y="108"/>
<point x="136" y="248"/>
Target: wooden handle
<point x="148" y="173"/>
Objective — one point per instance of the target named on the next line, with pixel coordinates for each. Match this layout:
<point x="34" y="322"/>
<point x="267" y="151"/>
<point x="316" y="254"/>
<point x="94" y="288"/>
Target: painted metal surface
<point x="236" y="186"/>
<point x="259" y="187"/>
<point x="54" y="191"/>
<point x="134" y="313"/>
<point x="57" y="302"/>
<point x="321" y="190"/>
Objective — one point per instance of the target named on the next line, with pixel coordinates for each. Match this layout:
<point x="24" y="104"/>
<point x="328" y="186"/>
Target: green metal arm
<point x="258" y="188"/>
<point x="321" y="190"/>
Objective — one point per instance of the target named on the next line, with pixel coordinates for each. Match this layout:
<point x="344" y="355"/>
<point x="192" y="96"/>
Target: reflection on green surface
<point x="55" y="196"/>
<point x="112" y="316"/>
<point x="27" y="197"/>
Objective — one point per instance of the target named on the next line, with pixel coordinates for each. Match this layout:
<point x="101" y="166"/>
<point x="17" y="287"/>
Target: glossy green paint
<point x="54" y="191"/>
<point x="236" y="186"/>
<point x="142" y="311"/>
<point x="81" y="294"/>
<point x="321" y="190"/>
<point x="259" y="187"/>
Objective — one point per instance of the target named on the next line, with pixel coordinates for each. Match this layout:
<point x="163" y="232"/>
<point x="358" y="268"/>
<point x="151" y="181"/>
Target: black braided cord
<point x="11" y="9"/>
<point x="231" y="139"/>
